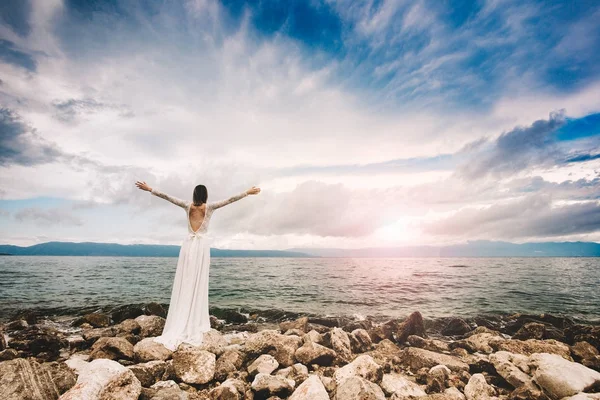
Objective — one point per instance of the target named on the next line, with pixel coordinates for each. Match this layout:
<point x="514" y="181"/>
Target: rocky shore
<point x="272" y="355"/>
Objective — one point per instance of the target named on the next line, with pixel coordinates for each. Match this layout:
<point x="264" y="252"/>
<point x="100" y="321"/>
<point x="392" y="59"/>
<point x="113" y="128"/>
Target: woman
<point x="188" y="316"/>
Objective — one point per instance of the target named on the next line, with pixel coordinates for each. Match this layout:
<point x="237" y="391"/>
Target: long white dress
<point x="188" y="318"/>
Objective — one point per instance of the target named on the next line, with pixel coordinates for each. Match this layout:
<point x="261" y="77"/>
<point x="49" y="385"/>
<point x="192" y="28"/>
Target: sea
<point x="353" y="287"/>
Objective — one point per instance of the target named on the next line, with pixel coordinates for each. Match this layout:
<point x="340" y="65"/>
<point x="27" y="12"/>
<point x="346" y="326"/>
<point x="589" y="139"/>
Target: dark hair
<point x="200" y="195"/>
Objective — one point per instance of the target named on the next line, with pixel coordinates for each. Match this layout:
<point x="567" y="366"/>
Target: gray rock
<point x="562" y="378"/>
<point x="340" y="343"/>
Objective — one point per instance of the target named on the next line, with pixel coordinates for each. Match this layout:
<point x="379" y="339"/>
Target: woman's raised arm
<point x="219" y="204"/>
<point x="172" y="199"/>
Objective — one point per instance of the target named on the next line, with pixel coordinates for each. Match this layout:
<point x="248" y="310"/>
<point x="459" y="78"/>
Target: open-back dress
<point x="188" y="318"/>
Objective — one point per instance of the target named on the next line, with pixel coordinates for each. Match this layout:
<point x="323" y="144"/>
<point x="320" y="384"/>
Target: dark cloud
<point x="69" y="110"/>
<point x="21" y="145"/>
<point x="532" y="216"/>
<point x="583" y="158"/>
<point x="10" y="54"/>
<point x="15" y="13"/>
<point x="48" y="216"/>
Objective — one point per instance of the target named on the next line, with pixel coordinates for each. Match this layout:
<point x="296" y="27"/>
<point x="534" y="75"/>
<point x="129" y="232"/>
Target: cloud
<point x="43" y="217"/>
<point x="10" y="54"/>
<point x="70" y="110"/>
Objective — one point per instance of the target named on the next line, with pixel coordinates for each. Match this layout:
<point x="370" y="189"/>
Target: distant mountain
<point x="478" y="248"/>
<point x="132" y="250"/>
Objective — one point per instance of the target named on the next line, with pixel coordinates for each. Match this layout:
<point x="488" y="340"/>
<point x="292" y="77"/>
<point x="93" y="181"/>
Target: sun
<point x="396" y="231"/>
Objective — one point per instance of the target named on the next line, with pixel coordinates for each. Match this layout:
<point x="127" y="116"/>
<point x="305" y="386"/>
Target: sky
<point x="364" y="123"/>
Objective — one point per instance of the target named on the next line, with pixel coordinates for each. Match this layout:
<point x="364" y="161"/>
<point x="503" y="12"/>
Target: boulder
<point x="265" y="385"/>
<point x="104" y="379"/>
<point x="97" y="320"/>
<point x="340" y="343"/>
<point x="479" y="342"/>
<point x="504" y="363"/>
<point x="228" y="362"/>
<point x="416" y="358"/>
<point x="360" y="341"/>
<point x="36" y="340"/>
<point x="386" y="354"/>
<point x="583" y="351"/>
<point x="231" y="389"/>
<point x="400" y="385"/>
<point x="413" y="325"/>
<point x="313" y="336"/>
<point x="382" y="332"/>
<point x="193" y="365"/>
<point x="436" y="379"/>
<point x="164" y="390"/>
<point x="148" y="373"/>
<point x="428" y="344"/>
<point x="27" y="379"/>
<point x="478" y="388"/>
<point x="148" y="350"/>
<point x="298" y="372"/>
<point x="264" y="364"/>
<point x="357" y="388"/>
<point x="272" y="342"/>
<point x="456" y="327"/>
<point x="531" y="346"/>
<point x="129" y="311"/>
<point x="363" y="366"/>
<point x="311" y="389"/>
<point x="562" y="378"/>
<point x="300" y="324"/>
<point x="214" y="342"/>
<point x="314" y="353"/>
<point x="154" y="308"/>
<point x="8" y="354"/>
<point x="113" y="348"/>
<point x="128" y="326"/>
<point x="150" y="325"/>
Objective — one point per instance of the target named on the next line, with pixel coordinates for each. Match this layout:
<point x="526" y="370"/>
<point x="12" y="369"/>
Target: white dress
<point x="188" y="318"/>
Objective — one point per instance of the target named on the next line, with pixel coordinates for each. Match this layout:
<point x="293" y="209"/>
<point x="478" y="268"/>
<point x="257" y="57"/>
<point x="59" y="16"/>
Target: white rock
<point x="149" y="350"/>
<point x="311" y="389"/>
<point x="400" y="385"/>
<point x="357" y="388"/>
<point x="104" y="379"/>
<point x="78" y="362"/>
<point x="503" y="362"/>
<point x="193" y="365"/>
<point x="363" y="366"/>
<point x="265" y="364"/>
<point x="584" y="396"/>
<point x="562" y="378"/>
<point x="478" y="388"/>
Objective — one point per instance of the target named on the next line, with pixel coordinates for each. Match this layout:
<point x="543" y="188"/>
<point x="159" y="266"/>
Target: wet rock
<point x="272" y="342"/>
<point x="265" y="385"/>
<point x="113" y="348"/>
<point x="311" y="389"/>
<point x="149" y="350"/>
<point x="35" y="341"/>
<point x="264" y="364"/>
<point x="231" y="316"/>
<point x="215" y="323"/>
<point x="105" y="379"/>
<point x="416" y="358"/>
<point x="531" y="346"/>
<point x="97" y="320"/>
<point x="330" y="322"/>
<point x="413" y="325"/>
<point x="8" y="354"/>
<point x="363" y="366"/>
<point x="314" y="353"/>
<point x="130" y="311"/>
<point x="428" y="344"/>
<point x="401" y="386"/>
<point x="298" y="372"/>
<point x="16" y="325"/>
<point x="365" y="324"/>
<point x="583" y="333"/>
<point x="30" y="316"/>
<point x="149" y="373"/>
<point x="455" y="327"/>
<point x="357" y="388"/>
<point x="478" y="388"/>
<point x="2" y="340"/>
<point x="562" y="378"/>
<point x="150" y="325"/>
<point x="360" y="341"/>
<point x="192" y="365"/>
<point x="300" y="324"/>
<point x="155" y="309"/>
<point x="228" y="362"/>
<point x="27" y="379"/>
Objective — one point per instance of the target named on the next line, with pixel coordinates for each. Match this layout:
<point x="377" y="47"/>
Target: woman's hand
<point x="143" y="186"/>
<point x="253" y="190"/>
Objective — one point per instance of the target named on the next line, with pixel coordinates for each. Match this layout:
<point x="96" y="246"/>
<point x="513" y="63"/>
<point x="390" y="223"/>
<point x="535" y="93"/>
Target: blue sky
<point x="370" y="123"/>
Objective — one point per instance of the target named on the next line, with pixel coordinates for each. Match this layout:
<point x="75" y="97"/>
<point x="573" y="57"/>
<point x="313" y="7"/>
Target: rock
<point x="478" y="388"/>
<point x="583" y="333"/>
<point x="386" y="354"/>
<point x="16" y="325"/>
<point x="300" y="324"/>
<point x="584" y="396"/>
<point x="230" y="316"/>
<point x="91" y="335"/>
<point x="282" y="347"/>
<point x="561" y="378"/>
<point x="97" y="320"/>
<point x="531" y="346"/>
<point x="113" y="348"/>
<point x="428" y="344"/>
<point x="456" y="327"/>
<point x="478" y="342"/>
<point x="363" y="366"/>
<point x="129" y="311"/>
<point x="27" y="379"/>
<point x="311" y="389"/>
<point x="531" y="330"/>
<point x="503" y="362"/>
<point x="154" y="308"/>
<point x="400" y="385"/>
<point x="264" y="364"/>
<point x="451" y="393"/>
<point x="213" y="341"/>
<point x="593" y="363"/>
<point x="164" y="390"/>
<point x="313" y="336"/>
<point x="193" y="365"/>
<point x="30" y="316"/>
<point x="265" y="385"/>
<point x="35" y="341"/>
<point x="314" y="353"/>
<point x="364" y="324"/>
<point x="381" y="332"/>
<point x="528" y="392"/>
<point x="357" y="388"/>
<point x="583" y="351"/>
<point x="149" y="373"/>
<point x="2" y="340"/>
<point x="360" y="341"/>
<point x="215" y="323"/>
<point x="340" y="343"/>
<point x="128" y="326"/>
<point x="8" y="354"/>
<point x="298" y="372"/>
<point x="150" y="325"/>
<point x="329" y="383"/>
<point x="228" y="362"/>
<point x="413" y="325"/>
<point x="416" y="358"/>
<point x="231" y="389"/>
<point x="105" y="379"/>
<point x="148" y="350"/>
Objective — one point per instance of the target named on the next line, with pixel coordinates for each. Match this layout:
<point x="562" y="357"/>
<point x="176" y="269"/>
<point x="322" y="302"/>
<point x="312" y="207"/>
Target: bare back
<point x="196" y="216"/>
